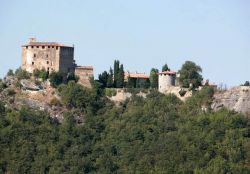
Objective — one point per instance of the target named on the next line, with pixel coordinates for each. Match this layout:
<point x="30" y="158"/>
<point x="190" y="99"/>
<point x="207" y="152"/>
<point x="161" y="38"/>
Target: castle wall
<point x="40" y="57"/>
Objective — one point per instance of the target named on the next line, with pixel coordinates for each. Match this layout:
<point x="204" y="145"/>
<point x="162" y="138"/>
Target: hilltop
<point x="55" y="126"/>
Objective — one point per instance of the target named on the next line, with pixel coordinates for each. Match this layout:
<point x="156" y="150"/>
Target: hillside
<point x="149" y="133"/>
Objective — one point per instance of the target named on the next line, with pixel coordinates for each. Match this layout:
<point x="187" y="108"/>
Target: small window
<point x="48" y="46"/>
<point x="27" y="47"/>
<point x="43" y="47"/>
<point x="34" y="55"/>
<point x="37" y="46"/>
<point x="47" y="62"/>
<point x="32" y="46"/>
<point x="57" y="48"/>
<point x="32" y="63"/>
<point x="52" y="46"/>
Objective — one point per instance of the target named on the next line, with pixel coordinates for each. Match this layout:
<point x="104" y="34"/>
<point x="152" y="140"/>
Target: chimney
<point x="32" y="39"/>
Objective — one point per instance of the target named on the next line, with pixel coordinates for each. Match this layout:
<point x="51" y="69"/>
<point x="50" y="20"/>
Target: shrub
<point x="55" y="102"/>
<point x="10" y="72"/>
<point x="246" y="83"/>
<point x="22" y="74"/>
<point x="11" y="92"/>
<point x="110" y="92"/>
<point x="56" y="78"/>
<point x="43" y="74"/>
<point x="18" y="84"/>
<point x="72" y="77"/>
<point x="182" y="92"/>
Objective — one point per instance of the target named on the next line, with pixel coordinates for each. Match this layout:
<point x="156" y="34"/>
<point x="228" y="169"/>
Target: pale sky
<point x="142" y="34"/>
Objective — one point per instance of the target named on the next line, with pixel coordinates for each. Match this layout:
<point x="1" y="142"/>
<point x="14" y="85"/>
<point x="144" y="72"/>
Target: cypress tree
<point x="120" y="77"/>
<point x="110" y="82"/>
<point x="165" y="67"/>
<point x="154" y="78"/>
<point x="116" y="72"/>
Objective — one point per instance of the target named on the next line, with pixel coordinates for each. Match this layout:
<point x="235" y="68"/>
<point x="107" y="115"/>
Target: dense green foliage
<point x="72" y="77"/>
<point x="43" y="74"/>
<point x="55" y="78"/>
<point x="190" y="74"/>
<point x="10" y="72"/>
<point x="159" y="134"/>
<point x="22" y="74"/>
<point x="154" y="78"/>
<point x="115" y="77"/>
<point x="165" y="68"/>
<point x="246" y="83"/>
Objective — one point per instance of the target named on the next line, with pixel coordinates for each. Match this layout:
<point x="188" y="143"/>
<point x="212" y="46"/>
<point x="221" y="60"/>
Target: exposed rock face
<point x="237" y="98"/>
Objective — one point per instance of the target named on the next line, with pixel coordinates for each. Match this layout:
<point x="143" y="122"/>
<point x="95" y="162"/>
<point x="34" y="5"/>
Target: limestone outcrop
<point x="236" y="98"/>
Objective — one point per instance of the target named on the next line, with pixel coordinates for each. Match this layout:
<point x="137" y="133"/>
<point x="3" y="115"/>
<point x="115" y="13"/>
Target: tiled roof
<point x="136" y="75"/>
<point x="46" y="44"/>
<point x="84" y="67"/>
<point x="168" y="72"/>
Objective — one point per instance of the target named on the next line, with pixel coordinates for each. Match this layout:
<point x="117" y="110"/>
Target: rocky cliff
<point x="236" y="98"/>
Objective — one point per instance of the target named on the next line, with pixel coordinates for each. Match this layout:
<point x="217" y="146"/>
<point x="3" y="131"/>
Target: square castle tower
<point x="54" y="56"/>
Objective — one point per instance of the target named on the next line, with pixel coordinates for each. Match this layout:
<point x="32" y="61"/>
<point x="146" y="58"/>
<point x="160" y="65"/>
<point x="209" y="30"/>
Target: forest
<point x="156" y="134"/>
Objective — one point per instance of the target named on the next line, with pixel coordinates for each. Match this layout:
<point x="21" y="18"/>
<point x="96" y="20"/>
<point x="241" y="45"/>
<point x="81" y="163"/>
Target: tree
<point x="103" y="78"/>
<point x="190" y="74"/>
<point x="120" y="77"/>
<point x="43" y="74"/>
<point x="246" y="83"/>
<point x="116" y="72"/>
<point x="22" y="74"/>
<point x="154" y="78"/>
<point x="72" y="77"/>
<point x="110" y="81"/>
<point x="165" y="68"/>
<point x="55" y="78"/>
<point x="10" y="72"/>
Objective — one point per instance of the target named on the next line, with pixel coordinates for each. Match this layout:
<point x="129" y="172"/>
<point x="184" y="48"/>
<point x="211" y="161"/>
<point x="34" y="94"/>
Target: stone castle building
<point x="53" y="56"/>
<point x="166" y="79"/>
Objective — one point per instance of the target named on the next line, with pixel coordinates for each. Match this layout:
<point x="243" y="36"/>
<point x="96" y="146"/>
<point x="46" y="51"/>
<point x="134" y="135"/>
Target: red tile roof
<point x="84" y="67"/>
<point x="136" y="75"/>
<point x="168" y="72"/>
<point x="46" y="44"/>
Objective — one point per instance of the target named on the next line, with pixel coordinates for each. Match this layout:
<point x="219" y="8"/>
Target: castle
<point x="54" y="56"/>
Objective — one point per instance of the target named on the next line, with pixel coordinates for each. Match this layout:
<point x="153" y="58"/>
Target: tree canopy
<point x="190" y="74"/>
<point x="158" y="134"/>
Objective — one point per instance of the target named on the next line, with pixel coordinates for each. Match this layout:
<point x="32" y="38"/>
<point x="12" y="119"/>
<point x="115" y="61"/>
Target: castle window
<point x="34" y="55"/>
<point x="32" y="46"/>
<point x="32" y="63"/>
<point x="57" y="48"/>
<point x="47" y="62"/>
<point x="37" y="46"/>
<point x="43" y="47"/>
<point x="48" y="46"/>
<point x="52" y="46"/>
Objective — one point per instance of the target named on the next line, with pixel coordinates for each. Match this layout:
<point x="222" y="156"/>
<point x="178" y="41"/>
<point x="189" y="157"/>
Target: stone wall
<point x="85" y="73"/>
<point x="40" y="57"/>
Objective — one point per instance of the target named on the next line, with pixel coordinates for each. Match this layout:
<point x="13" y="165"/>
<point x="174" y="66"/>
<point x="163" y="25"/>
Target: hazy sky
<point x="140" y="33"/>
